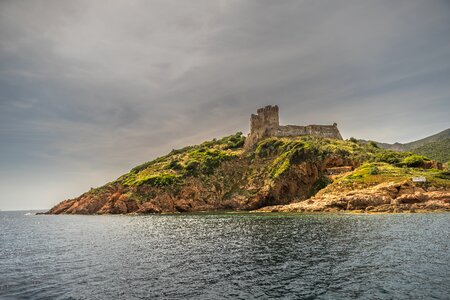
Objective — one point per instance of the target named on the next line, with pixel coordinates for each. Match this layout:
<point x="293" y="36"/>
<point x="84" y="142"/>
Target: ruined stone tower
<point x="266" y="124"/>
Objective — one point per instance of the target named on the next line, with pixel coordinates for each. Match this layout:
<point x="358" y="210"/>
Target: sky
<point x="89" y="89"/>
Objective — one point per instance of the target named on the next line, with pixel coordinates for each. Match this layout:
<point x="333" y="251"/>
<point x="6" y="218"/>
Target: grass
<point x="364" y="175"/>
<point x="439" y="150"/>
<point x="272" y="159"/>
<point x="198" y="160"/>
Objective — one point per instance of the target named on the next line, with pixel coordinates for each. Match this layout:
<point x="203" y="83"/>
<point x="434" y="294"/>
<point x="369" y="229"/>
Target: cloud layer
<point x="88" y="89"/>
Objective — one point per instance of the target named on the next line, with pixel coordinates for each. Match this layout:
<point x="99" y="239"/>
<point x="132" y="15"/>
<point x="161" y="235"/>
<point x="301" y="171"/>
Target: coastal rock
<point x="148" y="208"/>
<point x="385" y="197"/>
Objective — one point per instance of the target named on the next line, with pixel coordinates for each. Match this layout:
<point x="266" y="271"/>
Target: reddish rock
<point x="148" y="208"/>
<point x="385" y="197"/>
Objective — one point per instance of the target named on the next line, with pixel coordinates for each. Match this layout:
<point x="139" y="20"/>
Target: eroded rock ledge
<point x="385" y="197"/>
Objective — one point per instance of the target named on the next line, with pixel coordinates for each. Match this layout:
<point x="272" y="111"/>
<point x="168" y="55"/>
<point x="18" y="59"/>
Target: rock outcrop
<point x="385" y="197"/>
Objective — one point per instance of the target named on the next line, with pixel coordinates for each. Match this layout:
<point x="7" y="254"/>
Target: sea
<point x="225" y="256"/>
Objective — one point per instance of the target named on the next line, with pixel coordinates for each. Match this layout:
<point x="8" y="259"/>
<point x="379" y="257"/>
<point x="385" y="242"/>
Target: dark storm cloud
<point x="88" y="89"/>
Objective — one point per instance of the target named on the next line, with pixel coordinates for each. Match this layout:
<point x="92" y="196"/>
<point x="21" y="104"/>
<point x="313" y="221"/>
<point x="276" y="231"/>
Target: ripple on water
<point x="212" y="256"/>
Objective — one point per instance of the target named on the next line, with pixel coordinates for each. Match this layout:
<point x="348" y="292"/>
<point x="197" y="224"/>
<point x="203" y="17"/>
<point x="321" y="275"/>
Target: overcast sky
<point x="89" y="89"/>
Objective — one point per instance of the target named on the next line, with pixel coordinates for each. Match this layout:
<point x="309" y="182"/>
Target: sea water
<point x="225" y="256"/>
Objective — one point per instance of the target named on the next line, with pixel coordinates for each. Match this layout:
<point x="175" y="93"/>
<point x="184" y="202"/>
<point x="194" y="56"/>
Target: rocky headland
<point x="289" y="174"/>
<point x="276" y="168"/>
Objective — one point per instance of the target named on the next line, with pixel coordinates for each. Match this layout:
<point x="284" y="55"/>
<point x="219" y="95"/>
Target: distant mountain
<point x="416" y="144"/>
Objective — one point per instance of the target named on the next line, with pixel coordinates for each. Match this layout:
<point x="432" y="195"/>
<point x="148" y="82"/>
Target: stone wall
<point x="326" y="131"/>
<point x="266" y="124"/>
<point x="264" y="121"/>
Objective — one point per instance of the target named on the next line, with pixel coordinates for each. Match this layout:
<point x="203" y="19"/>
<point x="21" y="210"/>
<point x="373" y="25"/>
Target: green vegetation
<point x="439" y="150"/>
<point x="321" y="183"/>
<point x="220" y="173"/>
<point x="364" y="175"/>
<point x="374" y="170"/>
<point x="272" y="159"/>
<point x="377" y="164"/>
<point x="414" y="161"/>
<point x="276" y="156"/>
<point x="288" y="151"/>
<point x="179" y="164"/>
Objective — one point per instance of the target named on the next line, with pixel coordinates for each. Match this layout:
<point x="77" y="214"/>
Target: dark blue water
<point x="232" y="256"/>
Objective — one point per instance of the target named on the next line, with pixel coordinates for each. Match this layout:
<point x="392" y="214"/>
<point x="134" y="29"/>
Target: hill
<point x="438" y="150"/>
<point x="222" y="175"/>
<point x="416" y="144"/>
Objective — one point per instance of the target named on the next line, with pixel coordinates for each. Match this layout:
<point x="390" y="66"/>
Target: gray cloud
<point x="88" y="89"/>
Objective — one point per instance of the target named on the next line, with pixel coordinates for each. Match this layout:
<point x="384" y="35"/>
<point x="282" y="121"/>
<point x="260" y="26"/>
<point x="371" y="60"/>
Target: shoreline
<point x="257" y="212"/>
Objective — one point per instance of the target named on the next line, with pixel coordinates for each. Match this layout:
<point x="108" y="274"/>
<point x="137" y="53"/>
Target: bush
<point x="374" y="170"/>
<point x="389" y="157"/>
<point x="235" y="141"/>
<point x="321" y="183"/>
<point x="175" y="165"/>
<point x="268" y="147"/>
<point x="353" y="140"/>
<point x="414" y="161"/>
<point x="444" y="175"/>
<point x="192" y="167"/>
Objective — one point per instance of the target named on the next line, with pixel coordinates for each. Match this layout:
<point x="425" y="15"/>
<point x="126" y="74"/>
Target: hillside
<point x="439" y="150"/>
<point x="416" y="144"/>
<point x="221" y="175"/>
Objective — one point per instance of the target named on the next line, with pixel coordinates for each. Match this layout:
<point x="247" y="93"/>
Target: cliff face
<point x="392" y="191"/>
<point x="221" y="175"/>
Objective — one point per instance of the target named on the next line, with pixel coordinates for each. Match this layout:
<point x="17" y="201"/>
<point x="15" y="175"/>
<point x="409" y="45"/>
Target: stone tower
<point x="262" y="123"/>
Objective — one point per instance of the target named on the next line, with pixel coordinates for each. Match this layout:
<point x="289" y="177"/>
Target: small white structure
<point x="419" y="179"/>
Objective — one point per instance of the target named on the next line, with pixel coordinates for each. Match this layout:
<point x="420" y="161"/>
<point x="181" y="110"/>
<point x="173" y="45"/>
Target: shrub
<point x="444" y="175"/>
<point x="175" y="165"/>
<point x="321" y="183"/>
<point x="160" y="179"/>
<point x="414" y="161"/>
<point x="389" y="157"/>
<point x="235" y="141"/>
<point x="353" y="140"/>
<point x="192" y="167"/>
<point x="268" y="147"/>
<point x="374" y="170"/>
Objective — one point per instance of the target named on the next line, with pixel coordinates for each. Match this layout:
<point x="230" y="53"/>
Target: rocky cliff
<point x="393" y="191"/>
<point x="222" y="175"/>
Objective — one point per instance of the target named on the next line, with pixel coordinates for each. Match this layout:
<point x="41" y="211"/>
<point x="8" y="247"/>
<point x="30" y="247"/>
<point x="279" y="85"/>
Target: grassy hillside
<point x="439" y="150"/>
<point x="189" y="161"/>
<point x="277" y="154"/>
<point x="379" y="172"/>
<point x="220" y="174"/>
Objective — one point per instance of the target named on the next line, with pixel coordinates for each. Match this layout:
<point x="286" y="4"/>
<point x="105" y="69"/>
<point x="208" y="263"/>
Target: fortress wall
<point x="266" y="124"/>
<point x="288" y="130"/>
<point x="326" y="131"/>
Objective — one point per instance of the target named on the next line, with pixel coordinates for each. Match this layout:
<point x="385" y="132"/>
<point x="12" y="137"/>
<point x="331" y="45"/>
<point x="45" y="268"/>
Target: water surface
<point x="225" y="256"/>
